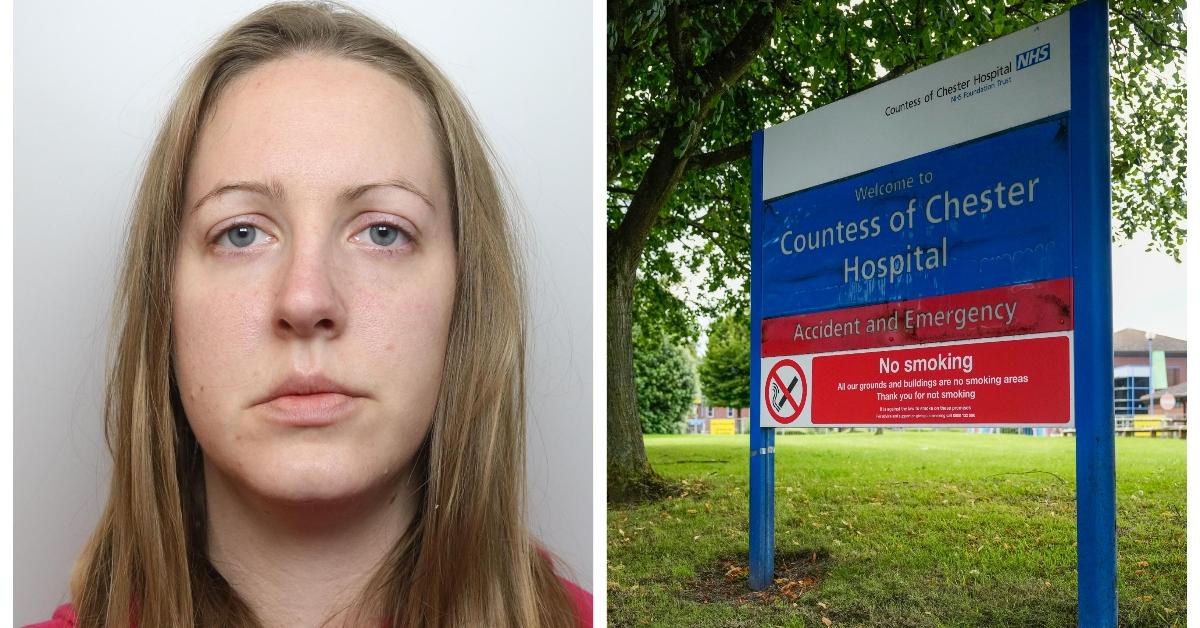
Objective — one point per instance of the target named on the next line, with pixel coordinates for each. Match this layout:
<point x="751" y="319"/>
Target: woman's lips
<point x="313" y="410"/>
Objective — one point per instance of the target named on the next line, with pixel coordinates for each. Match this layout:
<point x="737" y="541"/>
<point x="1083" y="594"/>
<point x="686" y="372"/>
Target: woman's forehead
<point x="317" y="123"/>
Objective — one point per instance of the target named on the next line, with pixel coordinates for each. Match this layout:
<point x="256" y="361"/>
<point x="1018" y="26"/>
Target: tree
<point x="725" y="368"/>
<point x="665" y="375"/>
<point x="689" y="81"/>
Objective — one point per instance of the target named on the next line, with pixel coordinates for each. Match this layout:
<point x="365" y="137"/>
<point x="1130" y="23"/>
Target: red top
<point x="64" y="616"/>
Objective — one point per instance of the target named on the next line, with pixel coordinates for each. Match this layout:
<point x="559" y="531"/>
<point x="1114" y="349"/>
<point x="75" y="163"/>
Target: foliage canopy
<point x="725" y="368"/>
<point x="665" y="375"/>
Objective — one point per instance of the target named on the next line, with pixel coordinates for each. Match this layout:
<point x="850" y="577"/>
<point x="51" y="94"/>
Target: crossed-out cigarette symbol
<point x="786" y="391"/>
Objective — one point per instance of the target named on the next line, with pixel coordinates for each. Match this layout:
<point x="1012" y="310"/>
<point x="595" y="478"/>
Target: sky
<point x="1149" y="289"/>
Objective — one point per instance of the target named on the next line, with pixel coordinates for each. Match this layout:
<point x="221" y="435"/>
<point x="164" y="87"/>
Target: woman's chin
<point x="313" y="480"/>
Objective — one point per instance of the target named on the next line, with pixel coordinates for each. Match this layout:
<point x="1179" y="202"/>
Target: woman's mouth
<point x="313" y="410"/>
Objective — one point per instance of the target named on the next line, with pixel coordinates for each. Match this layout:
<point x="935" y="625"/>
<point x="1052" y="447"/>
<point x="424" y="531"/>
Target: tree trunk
<point x="625" y="447"/>
<point x="630" y="477"/>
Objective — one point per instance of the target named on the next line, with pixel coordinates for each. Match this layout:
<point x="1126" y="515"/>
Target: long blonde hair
<point x="467" y="558"/>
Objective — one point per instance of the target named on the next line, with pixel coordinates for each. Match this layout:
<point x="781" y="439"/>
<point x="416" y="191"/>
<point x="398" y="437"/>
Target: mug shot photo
<point x="327" y="361"/>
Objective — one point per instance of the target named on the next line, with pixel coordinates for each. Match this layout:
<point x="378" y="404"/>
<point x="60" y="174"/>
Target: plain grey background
<point x="91" y="83"/>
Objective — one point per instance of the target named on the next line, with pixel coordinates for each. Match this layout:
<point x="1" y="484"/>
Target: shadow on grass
<point x="638" y="491"/>
<point x="629" y="488"/>
<point x="727" y="579"/>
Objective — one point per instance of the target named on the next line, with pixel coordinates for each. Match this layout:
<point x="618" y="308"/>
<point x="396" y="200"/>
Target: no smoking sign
<point x="786" y="391"/>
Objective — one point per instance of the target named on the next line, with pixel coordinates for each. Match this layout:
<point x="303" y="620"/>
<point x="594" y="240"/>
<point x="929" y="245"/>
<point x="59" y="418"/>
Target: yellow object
<point x="722" y="426"/>
<point x="1149" y="420"/>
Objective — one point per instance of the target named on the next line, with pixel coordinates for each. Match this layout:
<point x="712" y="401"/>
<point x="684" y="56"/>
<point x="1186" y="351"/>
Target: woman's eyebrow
<point x="272" y="190"/>
<point x="353" y="192"/>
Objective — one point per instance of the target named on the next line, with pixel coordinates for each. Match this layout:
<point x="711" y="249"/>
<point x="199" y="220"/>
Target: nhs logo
<point x="1033" y="56"/>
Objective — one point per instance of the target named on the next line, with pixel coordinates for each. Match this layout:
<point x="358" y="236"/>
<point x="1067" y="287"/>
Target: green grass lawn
<point x="896" y="529"/>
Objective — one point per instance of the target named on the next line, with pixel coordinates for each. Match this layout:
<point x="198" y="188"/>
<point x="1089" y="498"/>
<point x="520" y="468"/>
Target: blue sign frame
<point x="1091" y="270"/>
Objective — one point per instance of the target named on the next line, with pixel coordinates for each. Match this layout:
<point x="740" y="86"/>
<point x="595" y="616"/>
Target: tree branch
<point x="671" y="155"/>
<point x="622" y="145"/>
<point x="892" y="17"/>
<point x="729" y="63"/>
<point x="617" y="65"/>
<point x="701" y="227"/>
<point x="1141" y="29"/>
<point x="903" y="68"/>
<point x="741" y="150"/>
<point x="675" y="47"/>
<point x="713" y="158"/>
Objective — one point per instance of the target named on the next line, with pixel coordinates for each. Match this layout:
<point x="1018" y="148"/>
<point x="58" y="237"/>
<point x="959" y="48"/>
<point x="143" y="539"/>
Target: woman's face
<point x="314" y="280"/>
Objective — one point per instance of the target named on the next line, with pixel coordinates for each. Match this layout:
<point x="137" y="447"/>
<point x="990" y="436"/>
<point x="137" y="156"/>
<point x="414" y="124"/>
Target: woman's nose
<point x="308" y="303"/>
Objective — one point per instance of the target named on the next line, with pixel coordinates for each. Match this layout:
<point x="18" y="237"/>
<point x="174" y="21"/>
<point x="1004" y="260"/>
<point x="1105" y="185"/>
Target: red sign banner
<point x="1031" y="308"/>
<point x="1019" y="381"/>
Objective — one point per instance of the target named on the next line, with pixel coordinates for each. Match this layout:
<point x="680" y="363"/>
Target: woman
<point x="315" y="408"/>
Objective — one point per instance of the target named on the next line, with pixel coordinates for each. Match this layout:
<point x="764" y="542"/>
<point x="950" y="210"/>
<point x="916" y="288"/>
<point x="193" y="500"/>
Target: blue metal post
<point x="1094" y="453"/>
<point x="762" y="440"/>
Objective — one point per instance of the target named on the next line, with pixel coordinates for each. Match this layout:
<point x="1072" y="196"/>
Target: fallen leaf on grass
<point x="822" y="605"/>
<point x="736" y="573"/>
<point x="1146" y="598"/>
<point x="827" y="621"/>
<point x="793" y="589"/>
<point x="1143" y="563"/>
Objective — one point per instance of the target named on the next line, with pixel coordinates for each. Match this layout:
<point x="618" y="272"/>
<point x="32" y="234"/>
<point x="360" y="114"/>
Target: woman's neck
<point x="302" y="564"/>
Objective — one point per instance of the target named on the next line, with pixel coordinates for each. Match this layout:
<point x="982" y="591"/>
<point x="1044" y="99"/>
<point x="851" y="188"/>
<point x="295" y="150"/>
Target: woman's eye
<point x="383" y="234"/>
<point x="241" y="236"/>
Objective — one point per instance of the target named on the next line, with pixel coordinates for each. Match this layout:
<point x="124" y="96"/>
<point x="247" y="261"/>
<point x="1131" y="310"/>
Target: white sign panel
<point x="1020" y="78"/>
